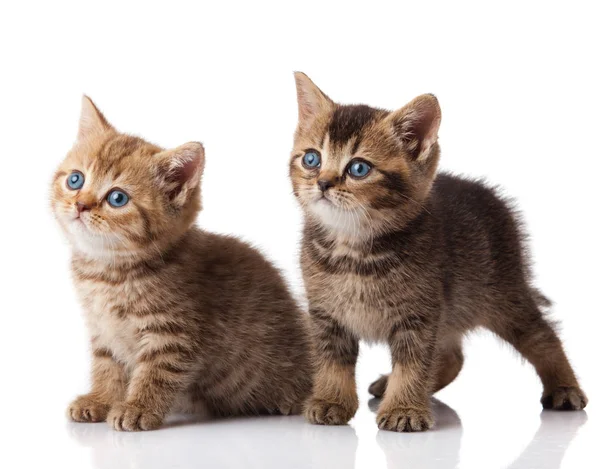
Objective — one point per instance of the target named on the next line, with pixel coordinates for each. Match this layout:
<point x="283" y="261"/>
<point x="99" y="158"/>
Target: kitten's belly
<point x="357" y="302"/>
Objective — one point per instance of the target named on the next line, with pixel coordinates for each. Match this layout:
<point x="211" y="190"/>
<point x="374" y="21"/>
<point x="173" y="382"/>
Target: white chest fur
<point x="109" y="326"/>
<point x="357" y="302"/>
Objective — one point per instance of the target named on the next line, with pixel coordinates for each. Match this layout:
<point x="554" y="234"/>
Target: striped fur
<point x="409" y="258"/>
<point x="180" y="319"/>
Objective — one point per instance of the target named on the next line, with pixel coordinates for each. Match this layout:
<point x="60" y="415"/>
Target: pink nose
<point x="81" y="207"/>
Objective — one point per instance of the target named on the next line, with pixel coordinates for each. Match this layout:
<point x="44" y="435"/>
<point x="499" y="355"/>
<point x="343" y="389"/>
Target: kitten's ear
<point x="311" y="100"/>
<point x="91" y="120"/>
<point x="180" y="171"/>
<point x="416" y="125"/>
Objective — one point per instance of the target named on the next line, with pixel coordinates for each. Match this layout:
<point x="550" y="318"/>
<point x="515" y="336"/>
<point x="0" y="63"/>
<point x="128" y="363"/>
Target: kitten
<point x="180" y="319"/>
<point x="393" y="253"/>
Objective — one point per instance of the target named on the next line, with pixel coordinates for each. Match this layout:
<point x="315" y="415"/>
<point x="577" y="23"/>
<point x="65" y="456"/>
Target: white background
<point x="518" y="85"/>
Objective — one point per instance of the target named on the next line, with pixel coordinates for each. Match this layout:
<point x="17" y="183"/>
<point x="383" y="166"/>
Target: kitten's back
<point x="484" y="252"/>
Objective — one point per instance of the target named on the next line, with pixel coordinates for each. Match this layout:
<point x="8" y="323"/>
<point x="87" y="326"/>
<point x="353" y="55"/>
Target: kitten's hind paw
<point x="377" y="388"/>
<point x="132" y="418"/>
<point x="401" y="419"/>
<point x="564" y="398"/>
<point x="87" y="409"/>
<point x="328" y="413"/>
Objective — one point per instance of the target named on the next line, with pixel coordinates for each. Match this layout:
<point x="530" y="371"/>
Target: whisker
<point x="418" y="203"/>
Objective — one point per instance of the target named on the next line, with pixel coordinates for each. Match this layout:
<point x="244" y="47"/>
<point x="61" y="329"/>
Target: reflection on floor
<point x="424" y="449"/>
<point x="289" y="442"/>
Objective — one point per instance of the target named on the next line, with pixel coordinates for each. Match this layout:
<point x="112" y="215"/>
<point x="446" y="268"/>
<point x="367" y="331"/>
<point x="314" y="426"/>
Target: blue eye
<point x="117" y="198"/>
<point x="359" y="169"/>
<point x="75" y="180"/>
<point x="311" y="160"/>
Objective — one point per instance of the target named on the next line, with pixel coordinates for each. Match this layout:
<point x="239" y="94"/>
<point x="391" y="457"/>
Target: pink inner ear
<point x="181" y="174"/>
<point x="426" y="125"/>
<point x="188" y="169"/>
<point x="423" y="123"/>
<point x="187" y="162"/>
<point x="419" y="127"/>
<point x="181" y="168"/>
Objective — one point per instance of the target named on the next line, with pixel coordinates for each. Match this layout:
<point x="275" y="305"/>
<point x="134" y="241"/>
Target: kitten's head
<point x="356" y="169"/>
<point x="119" y="197"/>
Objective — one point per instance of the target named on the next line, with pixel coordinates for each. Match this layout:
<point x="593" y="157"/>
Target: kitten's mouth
<point x="324" y="201"/>
<point x="323" y="198"/>
<point x="78" y="221"/>
<point x="328" y="200"/>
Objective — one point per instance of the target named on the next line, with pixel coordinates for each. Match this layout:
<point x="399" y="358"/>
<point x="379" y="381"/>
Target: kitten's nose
<point x="324" y="184"/>
<point x="81" y="207"/>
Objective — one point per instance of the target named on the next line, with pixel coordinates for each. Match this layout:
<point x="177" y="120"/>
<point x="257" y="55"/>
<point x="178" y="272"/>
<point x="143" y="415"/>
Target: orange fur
<point x="180" y="319"/>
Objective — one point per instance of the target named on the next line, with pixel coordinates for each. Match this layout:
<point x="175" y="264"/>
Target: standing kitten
<point x="180" y="319"/>
<point x="391" y="253"/>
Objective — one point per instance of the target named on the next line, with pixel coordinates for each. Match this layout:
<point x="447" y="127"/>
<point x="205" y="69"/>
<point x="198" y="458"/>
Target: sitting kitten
<point x="393" y="253"/>
<point x="180" y="319"/>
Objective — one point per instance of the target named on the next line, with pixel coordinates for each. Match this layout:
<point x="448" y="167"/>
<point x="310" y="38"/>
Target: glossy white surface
<point x="273" y="442"/>
<point x="479" y="423"/>
<point x="518" y="85"/>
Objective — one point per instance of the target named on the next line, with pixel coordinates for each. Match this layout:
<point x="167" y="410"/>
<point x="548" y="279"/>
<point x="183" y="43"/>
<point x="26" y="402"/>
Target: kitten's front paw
<point x="402" y="419"/>
<point x="132" y="418"/>
<point x="565" y="398"/>
<point x="87" y="409"/>
<point x="328" y="413"/>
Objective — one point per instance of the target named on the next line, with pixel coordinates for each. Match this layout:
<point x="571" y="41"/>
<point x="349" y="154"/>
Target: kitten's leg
<point x="334" y="400"/>
<point x="165" y="366"/>
<point x="108" y="387"/>
<point x="449" y="364"/>
<point x="406" y="405"/>
<point x="533" y="336"/>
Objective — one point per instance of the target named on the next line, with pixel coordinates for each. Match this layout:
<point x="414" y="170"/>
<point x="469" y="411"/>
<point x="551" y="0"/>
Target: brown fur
<point x="409" y="258"/>
<point x="180" y="319"/>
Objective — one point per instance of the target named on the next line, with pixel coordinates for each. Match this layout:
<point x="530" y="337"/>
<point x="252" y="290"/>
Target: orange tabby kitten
<point x="180" y="319"/>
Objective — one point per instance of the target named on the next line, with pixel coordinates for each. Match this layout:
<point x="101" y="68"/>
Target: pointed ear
<point x="416" y="125"/>
<point x="311" y="100"/>
<point x="180" y="171"/>
<point x="91" y="120"/>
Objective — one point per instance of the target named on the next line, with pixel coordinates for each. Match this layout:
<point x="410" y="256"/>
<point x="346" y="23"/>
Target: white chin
<point x="334" y="218"/>
<point x="85" y="241"/>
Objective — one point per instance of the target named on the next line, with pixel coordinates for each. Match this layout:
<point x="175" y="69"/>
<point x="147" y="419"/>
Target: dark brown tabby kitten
<point x="394" y="253"/>
<point x="180" y="319"/>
